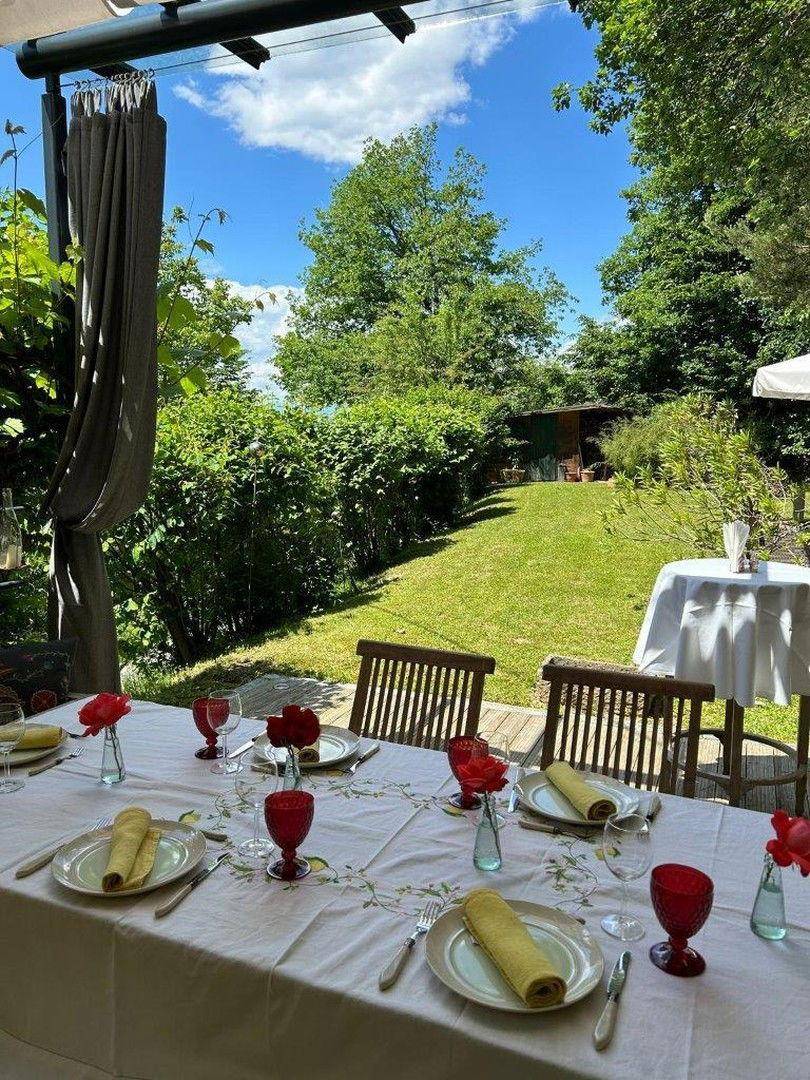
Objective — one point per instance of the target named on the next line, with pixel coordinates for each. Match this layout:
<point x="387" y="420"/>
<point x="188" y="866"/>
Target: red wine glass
<point x="288" y="815"/>
<point x="682" y="899"/>
<point x="199" y="710"/>
<point x="459" y="751"/>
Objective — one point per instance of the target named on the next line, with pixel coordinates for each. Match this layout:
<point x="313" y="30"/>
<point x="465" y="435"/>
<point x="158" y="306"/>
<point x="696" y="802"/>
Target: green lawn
<point x="530" y="573"/>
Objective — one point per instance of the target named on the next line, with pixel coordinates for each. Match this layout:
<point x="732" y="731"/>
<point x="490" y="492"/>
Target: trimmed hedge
<point x="256" y="515"/>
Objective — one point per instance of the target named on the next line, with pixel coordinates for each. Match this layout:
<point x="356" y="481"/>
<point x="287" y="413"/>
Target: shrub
<point x="705" y="472"/>
<point x="237" y="533"/>
<point x="633" y="444"/>
<point x="405" y="467"/>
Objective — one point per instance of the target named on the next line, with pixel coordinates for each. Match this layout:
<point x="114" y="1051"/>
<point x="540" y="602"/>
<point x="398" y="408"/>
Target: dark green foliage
<point x="255" y="516"/>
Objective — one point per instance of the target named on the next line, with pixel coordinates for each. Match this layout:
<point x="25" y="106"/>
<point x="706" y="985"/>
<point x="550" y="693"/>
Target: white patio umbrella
<point x="23" y="19"/>
<point x="789" y="379"/>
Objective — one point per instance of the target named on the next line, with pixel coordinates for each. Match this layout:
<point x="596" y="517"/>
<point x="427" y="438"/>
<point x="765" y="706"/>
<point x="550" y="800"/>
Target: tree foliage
<point x="408" y="284"/>
<point x="197" y="316"/>
<point x="686" y="321"/>
<point x="717" y="93"/>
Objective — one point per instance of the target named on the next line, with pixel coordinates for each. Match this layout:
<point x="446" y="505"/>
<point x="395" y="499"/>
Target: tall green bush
<point x="404" y="467"/>
<point x="237" y="533"/>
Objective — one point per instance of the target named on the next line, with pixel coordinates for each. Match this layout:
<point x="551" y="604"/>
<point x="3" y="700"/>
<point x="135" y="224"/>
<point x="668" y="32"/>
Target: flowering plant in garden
<point x="295" y="727"/>
<point x="104" y="711"/>
<point x="792" y="842"/>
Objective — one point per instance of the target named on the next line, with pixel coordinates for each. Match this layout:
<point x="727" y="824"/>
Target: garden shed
<point x="559" y="441"/>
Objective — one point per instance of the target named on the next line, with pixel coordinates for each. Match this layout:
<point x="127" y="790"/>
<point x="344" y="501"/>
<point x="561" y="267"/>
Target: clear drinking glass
<point x="628" y="855"/>
<point x="12" y="729"/>
<point x="501" y="748"/>
<point x="253" y="786"/>
<point x="224" y="712"/>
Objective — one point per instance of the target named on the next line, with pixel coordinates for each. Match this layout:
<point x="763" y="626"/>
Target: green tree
<point x="408" y="285"/>
<point x="197" y="316"/>
<point x="717" y="93"/>
<point x="685" y="320"/>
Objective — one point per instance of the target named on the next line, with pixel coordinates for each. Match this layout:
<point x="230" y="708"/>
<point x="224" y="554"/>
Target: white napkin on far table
<point x="735" y="537"/>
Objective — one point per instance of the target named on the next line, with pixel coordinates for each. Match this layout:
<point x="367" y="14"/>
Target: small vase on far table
<point x="768" y="915"/>
<point x="112" y="758"/>
<point x="487" y="852"/>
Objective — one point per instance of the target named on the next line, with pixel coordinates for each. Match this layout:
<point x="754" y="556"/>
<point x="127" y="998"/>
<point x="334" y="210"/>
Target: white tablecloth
<point x="747" y="634"/>
<point x="251" y="979"/>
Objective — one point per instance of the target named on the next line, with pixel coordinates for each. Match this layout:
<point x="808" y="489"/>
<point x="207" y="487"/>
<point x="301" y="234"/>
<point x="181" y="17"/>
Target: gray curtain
<point x="115" y="166"/>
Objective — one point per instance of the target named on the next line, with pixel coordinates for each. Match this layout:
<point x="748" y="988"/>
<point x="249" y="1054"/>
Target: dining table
<point x="254" y="978"/>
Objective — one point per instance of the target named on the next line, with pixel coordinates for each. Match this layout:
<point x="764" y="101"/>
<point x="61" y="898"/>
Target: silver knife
<point x="603" y="1032"/>
<point x="350" y="770"/>
<point x="192" y="883"/>
<point x="243" y="749"/>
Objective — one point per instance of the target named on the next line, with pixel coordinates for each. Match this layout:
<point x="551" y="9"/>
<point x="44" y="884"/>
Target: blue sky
<point x="268" y="146"/>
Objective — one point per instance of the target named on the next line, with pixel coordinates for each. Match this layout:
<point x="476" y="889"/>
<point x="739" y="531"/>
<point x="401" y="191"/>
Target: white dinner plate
<point x="463" y="965"/>
<point x="336" y="744"/>
<point x="80" y="864"/>
<point x="539" y="795"/>
<point x="27" y="757"/>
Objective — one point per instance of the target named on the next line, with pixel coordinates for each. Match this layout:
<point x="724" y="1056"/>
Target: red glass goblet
<point x="200" y="711"/>
<point x="682" y="898"/>
<point x="288" y="815"/>
<point x="459" y="751"/>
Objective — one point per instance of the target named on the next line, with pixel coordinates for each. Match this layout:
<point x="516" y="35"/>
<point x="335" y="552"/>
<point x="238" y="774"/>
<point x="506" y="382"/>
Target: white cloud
<point x="258" y="336"/>
<point x="325" y="103"/>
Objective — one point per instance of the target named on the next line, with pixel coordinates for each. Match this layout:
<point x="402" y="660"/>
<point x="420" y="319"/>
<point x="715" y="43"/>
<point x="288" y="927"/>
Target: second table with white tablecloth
<point x="748" y="635"/>
<point x="250" y="978"/>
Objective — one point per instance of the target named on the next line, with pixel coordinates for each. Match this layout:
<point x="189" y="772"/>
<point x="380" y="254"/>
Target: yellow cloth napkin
<point x="132" y="850"/>
<point x="593" y="804"/>
<point x="309" y="754"/>
<point x="39" y="737"/>
<point x="507" y="942"/>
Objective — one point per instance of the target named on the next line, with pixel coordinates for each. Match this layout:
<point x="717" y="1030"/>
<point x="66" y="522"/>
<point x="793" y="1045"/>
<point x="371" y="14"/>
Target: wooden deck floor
<point x="523" y="726"/>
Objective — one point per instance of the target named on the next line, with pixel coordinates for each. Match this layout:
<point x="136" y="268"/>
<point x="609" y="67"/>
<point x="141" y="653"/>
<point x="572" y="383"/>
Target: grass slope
<point x="531" y="572"/>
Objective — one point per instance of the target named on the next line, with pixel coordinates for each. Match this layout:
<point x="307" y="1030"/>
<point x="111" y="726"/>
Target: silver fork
<point x="77" y="753"/>
<point x="392" y="972"/>
<point x="47" y="856"/>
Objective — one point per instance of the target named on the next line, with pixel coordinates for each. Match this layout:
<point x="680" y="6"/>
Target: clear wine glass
<point x="628" y="855"/>
<point x="12" y="729"/>
<point x="224" y="713"/>
<point x="500" y="748"/>
<point x="253" y="786"/>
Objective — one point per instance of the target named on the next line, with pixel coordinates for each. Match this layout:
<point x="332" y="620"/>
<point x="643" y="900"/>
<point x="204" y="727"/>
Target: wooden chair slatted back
<point x="417" y="696"/>
<point x="615" y="721"/>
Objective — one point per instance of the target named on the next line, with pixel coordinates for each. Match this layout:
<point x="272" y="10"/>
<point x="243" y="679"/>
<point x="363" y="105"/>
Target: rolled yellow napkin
<point x="309" y="754"/>
<point x="507" y="942"/>
<point x="132" y="850"/>
<point x="39" y="737"/>
<point x="593" y="804"/>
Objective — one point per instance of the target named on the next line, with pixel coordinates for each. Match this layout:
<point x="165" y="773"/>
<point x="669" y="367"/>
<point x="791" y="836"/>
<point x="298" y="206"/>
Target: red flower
<point x="483" y="774"/>
<point x="792" y="843"/>
<point x="295" y="727"/>
<point x="103" y="711"/>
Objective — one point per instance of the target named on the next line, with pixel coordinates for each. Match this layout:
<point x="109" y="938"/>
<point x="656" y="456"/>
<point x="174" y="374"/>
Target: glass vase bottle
<point x="487" y="852"/>
<point x="292" y="771"/>
<point x="768" y="915"/>
<point x="112" y="759"/>
<point x="10" y="535"/>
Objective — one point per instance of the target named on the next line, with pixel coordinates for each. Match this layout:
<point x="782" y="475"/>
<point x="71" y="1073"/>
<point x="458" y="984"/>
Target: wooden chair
<point x="612" y="720"/>
<point x="415" y="696"/>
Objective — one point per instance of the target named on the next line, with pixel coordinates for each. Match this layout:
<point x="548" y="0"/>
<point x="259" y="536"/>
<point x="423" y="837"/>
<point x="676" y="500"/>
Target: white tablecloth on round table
<point x="251" y="980"/>
<point x="747" y="634"/>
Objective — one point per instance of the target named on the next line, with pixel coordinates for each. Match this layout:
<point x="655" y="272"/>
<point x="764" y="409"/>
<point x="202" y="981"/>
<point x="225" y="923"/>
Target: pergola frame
<point x="106" y="48"/>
